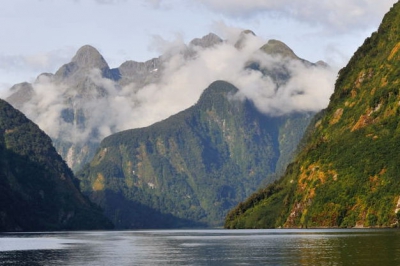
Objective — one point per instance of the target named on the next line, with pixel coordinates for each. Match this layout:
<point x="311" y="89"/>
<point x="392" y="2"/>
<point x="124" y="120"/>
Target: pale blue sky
<point x="41" y="35"/>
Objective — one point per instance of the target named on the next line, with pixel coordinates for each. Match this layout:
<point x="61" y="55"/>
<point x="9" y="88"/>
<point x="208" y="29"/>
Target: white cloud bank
<point x="115" y="108"/>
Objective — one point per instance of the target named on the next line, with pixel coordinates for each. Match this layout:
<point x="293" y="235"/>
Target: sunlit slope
<point x="347" y="173"/>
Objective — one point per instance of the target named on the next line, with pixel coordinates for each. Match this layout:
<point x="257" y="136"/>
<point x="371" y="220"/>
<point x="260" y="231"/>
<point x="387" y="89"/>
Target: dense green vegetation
<point x="191" y="168"/>
<point x="347" y="173"/>
<point x="37" y="189"/>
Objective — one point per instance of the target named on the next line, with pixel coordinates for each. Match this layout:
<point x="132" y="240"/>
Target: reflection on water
<point x="203" y="247"/>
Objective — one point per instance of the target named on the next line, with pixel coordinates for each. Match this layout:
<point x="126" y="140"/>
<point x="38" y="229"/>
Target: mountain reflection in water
<point x="203" y="247"/>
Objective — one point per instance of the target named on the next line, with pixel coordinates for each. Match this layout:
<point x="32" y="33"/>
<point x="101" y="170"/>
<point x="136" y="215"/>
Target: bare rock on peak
<point x="242" y="38"/>
<point x="274" y="47"/>
<point x="206" y="41"/>
<point x="85" y="60"/>
<point x="141" y="73"/>
<point x="89" y="57"/>
<point x="21" y="93"/>
<point x="248" y="32"/>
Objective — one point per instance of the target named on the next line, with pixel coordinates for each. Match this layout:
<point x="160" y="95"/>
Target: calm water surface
<point x="203" y="247"/>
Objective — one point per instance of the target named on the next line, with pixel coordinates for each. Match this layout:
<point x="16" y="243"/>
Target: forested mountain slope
<point x="37" y="189"/>
<point x="347" y="174"/>
<point x="191" y="168"/>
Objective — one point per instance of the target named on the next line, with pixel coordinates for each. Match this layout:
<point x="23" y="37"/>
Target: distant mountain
<point x="85" y="100"/>
<point x="141" y="73"/>
<point x="347" y="173"/>
<point x="38" y="190"/>
<point x="80" y="84"/>
<point x="191" y="168"/>
<point x="243" y="38"/>
<point x="206" y="41"/>
<point x="21" y="94"/>
<point x="277" y="47"/>
<point x="86" y="59"/>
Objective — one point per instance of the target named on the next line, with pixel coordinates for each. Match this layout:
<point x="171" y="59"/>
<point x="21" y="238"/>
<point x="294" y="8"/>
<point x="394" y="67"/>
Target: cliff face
<point x="74" y="94"/>
<point x="38" y="190"/>
<point x="347" y="172"/>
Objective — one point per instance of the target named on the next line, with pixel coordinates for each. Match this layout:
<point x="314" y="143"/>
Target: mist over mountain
<point x="347" y="173"/>
<point x="191" y="168"/>
<point x="38" y="190"/>
<point x="85" y="100"/>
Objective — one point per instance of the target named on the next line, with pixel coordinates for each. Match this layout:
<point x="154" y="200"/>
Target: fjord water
<point x="203" y="247"/>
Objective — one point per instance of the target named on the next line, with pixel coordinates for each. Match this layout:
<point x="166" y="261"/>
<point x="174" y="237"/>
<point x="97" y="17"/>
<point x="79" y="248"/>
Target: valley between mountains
<point x="241" y="133"/>
<point x="148" y="166"/>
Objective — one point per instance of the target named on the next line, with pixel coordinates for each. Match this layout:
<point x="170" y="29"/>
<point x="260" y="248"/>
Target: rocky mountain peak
<point x="275" y="47"/>
<point x="242" y="38"/>
<point x="21" y="93"/>
<point x="89" y="57"/>
<point x="85" y="60"/>
<point x="245" y="32"/>
<point x="206" y="41"/>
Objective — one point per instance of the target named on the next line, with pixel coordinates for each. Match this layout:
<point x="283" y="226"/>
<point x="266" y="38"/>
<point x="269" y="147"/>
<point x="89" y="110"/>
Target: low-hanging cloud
<point x="308" y="89"/>
<point x="182" y="80"/>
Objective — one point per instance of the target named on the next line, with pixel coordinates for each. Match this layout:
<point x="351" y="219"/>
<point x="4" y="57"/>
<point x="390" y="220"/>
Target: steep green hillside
<point x="347" y="174"/>
<point x="37" y="189"/>
<point x="191" y="168"/>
